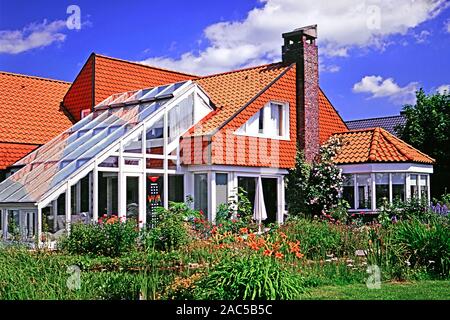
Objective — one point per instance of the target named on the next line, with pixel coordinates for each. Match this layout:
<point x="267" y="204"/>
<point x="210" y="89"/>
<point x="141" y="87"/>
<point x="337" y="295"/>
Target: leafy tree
<point x="427" y="128"/>
<point x="313" y="189"/>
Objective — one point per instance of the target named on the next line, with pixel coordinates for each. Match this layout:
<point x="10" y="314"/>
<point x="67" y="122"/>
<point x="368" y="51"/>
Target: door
<point x="133" y="197"/>
<point x="270" y="191"/>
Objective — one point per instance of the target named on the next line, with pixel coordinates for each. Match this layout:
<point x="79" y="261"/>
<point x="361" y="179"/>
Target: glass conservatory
<point x="368" y="186"/>
<point x="121" y="159"/>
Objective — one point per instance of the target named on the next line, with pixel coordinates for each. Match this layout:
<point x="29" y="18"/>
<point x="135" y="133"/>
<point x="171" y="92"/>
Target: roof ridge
<point x="145" y="65"/>
<point x="34" y="77"/>
<point x="240" y="70"/>
<point x="376" y="118"/>
<point x="395" y="141"/>
<point x="374" y="143"/>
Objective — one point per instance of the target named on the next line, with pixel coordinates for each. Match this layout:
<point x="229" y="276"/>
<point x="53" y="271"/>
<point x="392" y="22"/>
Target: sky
<point x="374" y="54"/>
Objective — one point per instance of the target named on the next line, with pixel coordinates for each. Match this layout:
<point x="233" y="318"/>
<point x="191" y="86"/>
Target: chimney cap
<point x="308" y="31"/>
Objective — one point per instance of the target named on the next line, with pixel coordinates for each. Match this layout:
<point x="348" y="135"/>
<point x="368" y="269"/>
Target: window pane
<point x="382" y="188"/>
<point x="249" y="185"/>
<point x="364" y="191"/>
<point x="348" y="193"/>
<point x="276" y="118"/>
<point x="181" y="117"/>
<point x="107" y="193"/>
<point x="132" y="199"/>
<point x="423" y="187"/>
<point x="398" y="186"/>
<point x="110" y="162"/>
<point x="261" y="121"/>
<point x="154" y="137"/>
<point x="413" y="186"/>
<point x="221" y="188"/>
<point x="201" y="192"/>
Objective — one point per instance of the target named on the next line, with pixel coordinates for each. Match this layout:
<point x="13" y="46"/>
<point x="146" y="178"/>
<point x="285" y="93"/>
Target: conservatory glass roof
<point x="53" y="163"/>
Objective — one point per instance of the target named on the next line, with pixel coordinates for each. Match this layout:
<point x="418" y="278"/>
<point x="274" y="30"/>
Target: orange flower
<point x="253" y="245"/>
<point x="299" y="255"/>
<point x="267" y="252"/>
<point x="239" y="239"/>
<point x="278" y="255"/>
<point x="283" y="235"/>
<point x="244" y="230"/>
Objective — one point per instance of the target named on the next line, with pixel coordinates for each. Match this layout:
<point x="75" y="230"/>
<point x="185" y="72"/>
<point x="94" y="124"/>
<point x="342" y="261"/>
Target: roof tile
<point x="376" y="145"/>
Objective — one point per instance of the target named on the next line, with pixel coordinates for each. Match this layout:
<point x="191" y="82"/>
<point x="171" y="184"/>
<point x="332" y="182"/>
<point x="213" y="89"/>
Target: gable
<point x="102" y="76"/>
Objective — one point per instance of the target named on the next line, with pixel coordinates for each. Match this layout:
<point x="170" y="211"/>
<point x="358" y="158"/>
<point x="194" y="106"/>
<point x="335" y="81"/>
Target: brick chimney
<point x="300" y="47"/>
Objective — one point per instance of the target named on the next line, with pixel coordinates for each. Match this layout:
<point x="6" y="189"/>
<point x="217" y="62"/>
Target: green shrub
<point x="171" y="231"/>
<point x="110" y="238"/>
<point x="252" y="277"/>
<point x="319" y="238"/>
<point x="425" y="244"/>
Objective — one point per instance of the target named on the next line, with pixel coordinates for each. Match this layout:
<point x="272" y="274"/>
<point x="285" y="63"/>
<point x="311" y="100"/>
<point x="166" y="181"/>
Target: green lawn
<point x="422" y="290"/>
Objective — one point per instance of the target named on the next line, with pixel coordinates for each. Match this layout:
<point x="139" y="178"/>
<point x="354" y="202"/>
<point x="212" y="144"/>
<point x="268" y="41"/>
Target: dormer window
<point x="271" y="121"/>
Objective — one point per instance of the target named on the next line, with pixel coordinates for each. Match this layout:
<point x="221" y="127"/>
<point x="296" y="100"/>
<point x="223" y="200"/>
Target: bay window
<point x="364" y="187"/>
<point x="381" y="188"/>
<point x="348" y="193"/>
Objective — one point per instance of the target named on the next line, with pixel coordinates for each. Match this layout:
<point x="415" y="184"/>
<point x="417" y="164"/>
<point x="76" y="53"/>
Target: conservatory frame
<point x="92" y="167"/>
<point x="371" y="169"/>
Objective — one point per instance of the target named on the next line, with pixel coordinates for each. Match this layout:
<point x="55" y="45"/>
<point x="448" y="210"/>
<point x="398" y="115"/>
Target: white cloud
<point x="447" y="26"/>
<point x="329" y="68"/>
<point x="444" y="88"/>
<point x="33" y="36"/>
<point x="422" y="37"/>
<point x="343" y="25"/>
<point x="378" y="87"/>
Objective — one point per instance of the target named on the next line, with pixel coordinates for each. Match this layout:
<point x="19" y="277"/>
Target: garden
<point x="320" y="252"/>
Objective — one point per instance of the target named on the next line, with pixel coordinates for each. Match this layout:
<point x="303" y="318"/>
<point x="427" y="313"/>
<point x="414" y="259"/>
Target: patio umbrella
<point x="259" y="209"/>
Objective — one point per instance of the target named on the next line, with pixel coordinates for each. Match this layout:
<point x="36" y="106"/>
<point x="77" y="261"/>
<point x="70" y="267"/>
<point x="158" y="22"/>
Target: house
<point x="390" y="123"/>
<point x="144" y="136"/>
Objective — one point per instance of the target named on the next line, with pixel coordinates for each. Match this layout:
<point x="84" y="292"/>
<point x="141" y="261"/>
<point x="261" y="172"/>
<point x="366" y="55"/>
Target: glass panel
<point x="110" y="162"/>
<point x="363" y="182"/>
<point x="276" y="119"/>
<point x="423" y="187"/>
<point x="107" y="193"/>
<point x="348" y="193"/>
<point x="152" y="93"/>
<point x="413" y="186"/>
<point x="201" y="192"/>
<point x="398" y="187"/>
<point x="249" y="186"/>
<point x="132" y="198"/>
<point x="13" y="224"/>
<point x="261" y="121"/>
<point x="154" y="137"/>
<point x="221" y="188"/>
<point x="132" y="161"/>
<point x="171" y="89"/>
<point x="134" y="145"/>
<point x="382" y="189"/>
<point x="181" y="118"/>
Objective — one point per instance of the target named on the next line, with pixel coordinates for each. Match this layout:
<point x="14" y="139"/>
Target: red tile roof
<point x="231" y="91"/>
<point x="30" y="114"/>
<point x="12" y="152"/>
<point x="376" y="145"/>
<point x="112" y="75"/>
<point x="330" y="121"/>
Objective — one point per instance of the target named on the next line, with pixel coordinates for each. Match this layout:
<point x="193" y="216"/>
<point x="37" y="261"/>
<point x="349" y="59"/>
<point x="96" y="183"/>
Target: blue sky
<point x="374" y="54"/>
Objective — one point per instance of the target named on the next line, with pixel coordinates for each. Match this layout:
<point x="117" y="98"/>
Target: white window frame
<point x="266" y="123"/>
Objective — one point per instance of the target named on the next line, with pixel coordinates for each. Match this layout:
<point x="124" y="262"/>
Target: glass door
<point x="133" y="187"/>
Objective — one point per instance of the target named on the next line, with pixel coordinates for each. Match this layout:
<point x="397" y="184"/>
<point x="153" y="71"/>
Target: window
<point x="423" y="187"/>
<point x="270" y="121"/>
<point x="382" y="188"/>
<point x="363" y="182"/>
<point x="221" y="188"/>
<point x="398" y="186"/>
<point x="261" y="121"/>
<point x="276" y="118"/>
<point x="201" y="192"/>
<point x="413" y="186"/>
<point x="348" y="193"/>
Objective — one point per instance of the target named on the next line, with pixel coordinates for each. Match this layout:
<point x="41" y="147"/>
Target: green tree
<point x="427" y="128"/>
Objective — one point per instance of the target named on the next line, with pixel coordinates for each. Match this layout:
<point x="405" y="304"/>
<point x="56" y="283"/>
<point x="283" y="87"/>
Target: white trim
<point x="386" y="167"/>
<point x="238" y="169"/>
